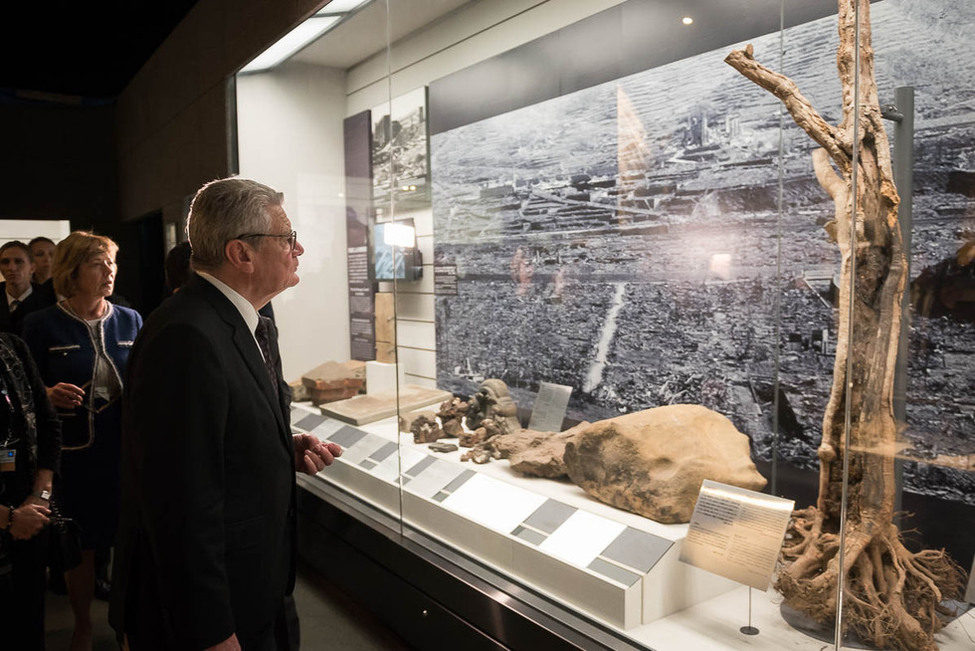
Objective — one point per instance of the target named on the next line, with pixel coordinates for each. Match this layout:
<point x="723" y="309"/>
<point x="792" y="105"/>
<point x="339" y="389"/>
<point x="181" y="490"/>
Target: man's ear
<point x="240" y="255"/>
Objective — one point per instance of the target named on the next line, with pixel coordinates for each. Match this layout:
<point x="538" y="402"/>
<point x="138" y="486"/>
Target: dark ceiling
<point x="90" y="49"/>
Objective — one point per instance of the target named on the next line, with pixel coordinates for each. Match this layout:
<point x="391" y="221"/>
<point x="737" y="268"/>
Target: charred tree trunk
<point x="891" y="595"/>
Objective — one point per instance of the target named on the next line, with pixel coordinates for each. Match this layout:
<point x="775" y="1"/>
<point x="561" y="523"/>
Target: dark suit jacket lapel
<point x="5" y="320"/>
<point x="246" y="346"/>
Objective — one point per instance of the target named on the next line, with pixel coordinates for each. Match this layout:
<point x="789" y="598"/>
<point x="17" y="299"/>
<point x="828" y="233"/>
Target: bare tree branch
<point x="801" y="109"/>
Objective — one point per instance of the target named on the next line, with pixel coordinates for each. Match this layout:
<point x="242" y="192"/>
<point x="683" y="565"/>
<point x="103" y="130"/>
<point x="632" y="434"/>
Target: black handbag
<point x="65" y="538"/>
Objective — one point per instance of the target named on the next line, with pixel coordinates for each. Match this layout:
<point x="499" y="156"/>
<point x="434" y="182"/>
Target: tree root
<point x="892" y="597"/>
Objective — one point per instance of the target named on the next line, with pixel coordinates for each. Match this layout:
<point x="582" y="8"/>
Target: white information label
<point x="549" y="410"/>
<point x="582" y="538"/>
<point x="495" y="504"/>
<point x="737" y="533"/>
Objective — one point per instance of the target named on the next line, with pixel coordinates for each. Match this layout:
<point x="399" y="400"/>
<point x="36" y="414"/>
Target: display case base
<point x="623" y="570"/>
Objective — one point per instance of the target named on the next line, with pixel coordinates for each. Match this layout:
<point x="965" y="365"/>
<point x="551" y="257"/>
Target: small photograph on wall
<point x="400" y="155"/>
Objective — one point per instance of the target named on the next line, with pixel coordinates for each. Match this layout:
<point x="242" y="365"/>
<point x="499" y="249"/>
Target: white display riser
<point x="715" y="625"/>
<point x="492" y="514"/>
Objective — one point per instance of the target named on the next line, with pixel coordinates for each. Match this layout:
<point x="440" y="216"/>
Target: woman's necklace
<point x="100" y="312"/>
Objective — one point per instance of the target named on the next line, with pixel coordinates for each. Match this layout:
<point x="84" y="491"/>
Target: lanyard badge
<point x="8" y="459"/>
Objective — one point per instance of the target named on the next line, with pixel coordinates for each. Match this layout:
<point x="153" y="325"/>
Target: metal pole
<point x="749" y="630"/>
<point x="902" y="114"/>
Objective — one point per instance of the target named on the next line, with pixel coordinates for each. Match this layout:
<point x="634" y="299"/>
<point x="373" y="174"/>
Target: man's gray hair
<point x="223" y="210"/>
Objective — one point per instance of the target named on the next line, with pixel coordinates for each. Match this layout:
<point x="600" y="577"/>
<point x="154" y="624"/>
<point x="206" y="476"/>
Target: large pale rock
<point x="652" y="462"/>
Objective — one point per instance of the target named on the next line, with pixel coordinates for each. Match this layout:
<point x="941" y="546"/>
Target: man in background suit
<point x="20" y="295"/>
<point x="207" y="543"/>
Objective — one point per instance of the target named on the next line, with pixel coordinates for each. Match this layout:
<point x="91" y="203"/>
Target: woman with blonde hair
<point x="81" y="346"/>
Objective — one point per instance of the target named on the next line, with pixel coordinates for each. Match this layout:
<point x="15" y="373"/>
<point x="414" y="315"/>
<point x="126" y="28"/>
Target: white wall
<point x="290" y="136"/>
<point x="27" y="229"/>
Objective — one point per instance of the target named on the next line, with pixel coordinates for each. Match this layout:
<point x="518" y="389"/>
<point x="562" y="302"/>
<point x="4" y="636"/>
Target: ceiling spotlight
<point x="687" y="20"/>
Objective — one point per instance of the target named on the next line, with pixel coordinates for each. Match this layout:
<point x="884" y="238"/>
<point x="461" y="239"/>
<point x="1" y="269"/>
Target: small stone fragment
<point x="451" y="416"/>
<point x="470" y="439"/>
<point x="442" y="446"/>
<point x="406" y="420"/>
<point x="480" y="453"/>
<point x="425" y="430"/>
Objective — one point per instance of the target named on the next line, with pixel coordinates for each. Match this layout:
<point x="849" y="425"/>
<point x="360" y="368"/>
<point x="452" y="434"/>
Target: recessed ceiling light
<point x="687" y="20"/>
<point x="340" y="6"/>
<point x="291" y="42"/>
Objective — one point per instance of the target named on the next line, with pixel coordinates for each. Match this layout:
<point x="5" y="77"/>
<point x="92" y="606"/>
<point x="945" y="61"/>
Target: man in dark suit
<point x="20" y="295"/>
<point x="206" y="551"/>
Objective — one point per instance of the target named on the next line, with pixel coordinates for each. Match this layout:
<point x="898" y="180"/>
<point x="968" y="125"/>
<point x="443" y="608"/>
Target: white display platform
<point x="714" y="625"/>
<point x="473" y="506"/>
<point x="616" y="566"/>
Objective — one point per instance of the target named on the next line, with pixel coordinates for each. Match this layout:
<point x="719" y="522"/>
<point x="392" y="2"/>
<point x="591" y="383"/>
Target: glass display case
<point x="566" y="263"/>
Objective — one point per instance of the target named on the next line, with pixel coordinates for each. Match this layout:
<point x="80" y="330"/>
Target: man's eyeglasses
<point x="292" y="237"/>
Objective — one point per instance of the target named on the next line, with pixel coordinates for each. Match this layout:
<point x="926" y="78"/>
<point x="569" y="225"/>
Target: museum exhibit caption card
<point x="550" y="405"/>
<point x="737" y="533"/>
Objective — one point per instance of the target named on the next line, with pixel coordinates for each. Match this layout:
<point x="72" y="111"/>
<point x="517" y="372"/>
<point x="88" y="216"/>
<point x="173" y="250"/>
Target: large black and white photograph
<point x="400" y="168"/>
<point x="659" y="239"/>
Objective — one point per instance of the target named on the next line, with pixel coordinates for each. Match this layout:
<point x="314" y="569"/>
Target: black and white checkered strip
<point x="626" y="560"/>
<point x="631" y="556"/>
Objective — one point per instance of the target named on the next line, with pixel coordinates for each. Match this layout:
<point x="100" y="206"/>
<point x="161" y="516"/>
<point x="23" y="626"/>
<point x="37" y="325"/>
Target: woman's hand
<point x="64" y="395"/>
<point x="29" y="519"/>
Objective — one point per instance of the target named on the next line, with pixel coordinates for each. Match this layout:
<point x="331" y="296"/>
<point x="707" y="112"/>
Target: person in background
<point x="30" y="451"/>
<point x="206" y="551"/>
<point x="81" y="346"/>
<point x="177" y="266"/>
<point x="42" y="253"/>
<point x="21" y="296"/>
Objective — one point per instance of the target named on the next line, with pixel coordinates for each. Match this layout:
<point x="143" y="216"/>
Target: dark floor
<point x="329" y="620"/>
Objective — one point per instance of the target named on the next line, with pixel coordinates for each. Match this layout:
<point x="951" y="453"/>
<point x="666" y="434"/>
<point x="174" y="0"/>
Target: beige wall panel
<point x="418" y="362"/>
<point x="417" y="334"/>
<point x="385" y="319"/>
<point x="417" y="307"/>
<point x="419" y="380"/>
